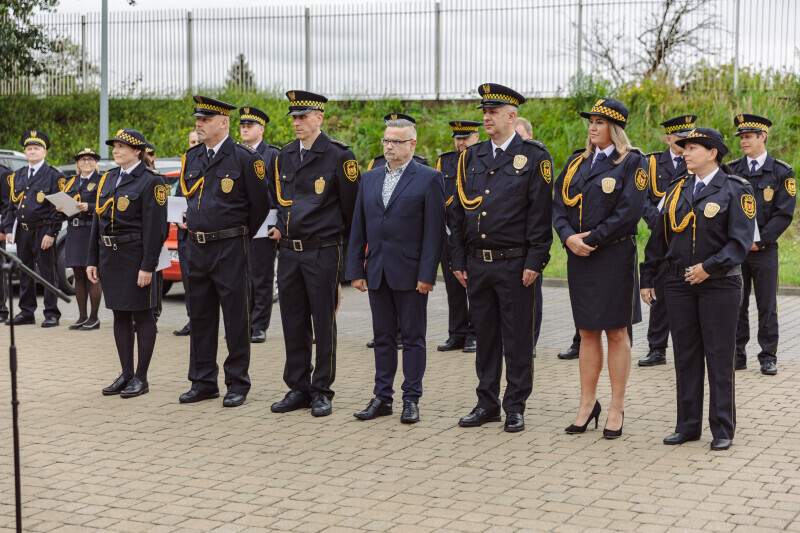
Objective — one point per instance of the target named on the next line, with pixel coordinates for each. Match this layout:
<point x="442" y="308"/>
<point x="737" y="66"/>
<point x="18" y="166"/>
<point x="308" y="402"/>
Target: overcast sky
<point x="83" y="6"/>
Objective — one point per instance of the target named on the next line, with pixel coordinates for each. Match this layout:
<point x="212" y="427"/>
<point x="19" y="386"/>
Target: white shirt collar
<point x="130" y="170"/>
<point x="707" y="179"/>
<point x="504" y="146"/>
<point x="217" y="147"/>
<point x="36" y="167"/>
<point x="760" y="160"/>
<point x="608" y="151"/>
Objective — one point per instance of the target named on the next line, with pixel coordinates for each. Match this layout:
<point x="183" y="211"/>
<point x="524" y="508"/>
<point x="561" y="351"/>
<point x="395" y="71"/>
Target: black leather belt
<point x="621" y="239"/>
<point x="309" y="244"/>
<point x="113" y="240"/>
<point x="490" y="256"/>
<point x="34" y="225"/>
<point x="680" y="272"/>
<point x="203" y="237"/>
<point x="78" y="222"/>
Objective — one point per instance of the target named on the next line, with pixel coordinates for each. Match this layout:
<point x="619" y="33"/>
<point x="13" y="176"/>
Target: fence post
<point x="189" y="58"/>
<point x="83" y="51"/>
<point x="438" y="50"/>
<point x="737" y="36"/>
<point x="580" y="35"/>
<point x="308" y="48"/>
<point x="103" y="151"/>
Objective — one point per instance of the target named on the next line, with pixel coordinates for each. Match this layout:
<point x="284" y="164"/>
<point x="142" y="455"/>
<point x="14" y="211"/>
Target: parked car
<point x="13" y="159"/>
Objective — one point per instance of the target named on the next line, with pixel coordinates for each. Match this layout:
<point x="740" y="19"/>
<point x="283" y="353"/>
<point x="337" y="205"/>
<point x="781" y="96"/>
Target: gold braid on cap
<point x="672" y="200"/>
<point x="102" y="209"/>
<point x="461" y="181"/>
<point x="18" y="197"/>
<point x="653" y="183"/>
<point x="285" y="203"/>
<point x="578" y="198"/>
<point x="188" y="193"/>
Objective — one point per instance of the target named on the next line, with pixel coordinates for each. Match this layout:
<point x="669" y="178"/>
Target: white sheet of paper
<point x="163" y="259"/>
<point x="67" y="203"/>
<point x="271" y="221"/>
<point x="176" y="207"/>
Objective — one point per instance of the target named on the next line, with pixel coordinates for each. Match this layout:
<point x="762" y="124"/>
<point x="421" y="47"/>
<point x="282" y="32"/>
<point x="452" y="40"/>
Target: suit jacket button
<point x="483" y="214"/>
<point x="483" y="236"/>
<point x="491" y="172"/>
<point x="486" y="191"/>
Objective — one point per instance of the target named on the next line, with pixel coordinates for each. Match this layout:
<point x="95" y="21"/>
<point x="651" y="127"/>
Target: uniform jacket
<point x="28" y="203"/>
<point x="506" y="203"/>
<point x="229" y="192"/>
<point x="724" y="214"/>
<point x="83" y="192"/>
<point x="661" y="171"/>
<point x="447" y="164"/>
<point x="774" y="189"/>
<point x="405" y="238"/>
<point x="611" y="198"/>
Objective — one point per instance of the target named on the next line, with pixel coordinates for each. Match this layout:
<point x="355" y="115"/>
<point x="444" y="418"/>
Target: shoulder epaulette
<point x="340" y="143"/>
<point x="740" y="179"/>
<point x="653" y="153"/>
<point x="446" y="153"/>
<point x="534" y="142"/>
<point x="246" y="146"/>
<point x="784" y="163"/>
<point x="676" y="180"/>
<point x="579" y="151"/>
<point x="285" y="145"/>
<point x="636" y="151"/>
<point x="154" y="171"/>
<point x="273" y="146"/>
<point x="734" y="161"/>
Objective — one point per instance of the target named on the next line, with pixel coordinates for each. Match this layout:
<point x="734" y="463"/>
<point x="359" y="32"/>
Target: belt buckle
<point x="24" y="226"/>
<point x="297" y="245"/>
<point x="487" y="256"/>
<point x="107" y="241"/>
<point x="201" y="237"/>
<point x="75" y="222"/>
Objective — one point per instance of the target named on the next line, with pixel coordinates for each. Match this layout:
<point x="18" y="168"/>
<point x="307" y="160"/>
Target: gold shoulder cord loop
<point x="461" y="181"/>
<point x="102" y="209"/>
<point x="285" y="203"/>
<point x="672" y="200"/>
<point x="653" y="184"/>
<point x="68" y="185"/>
<point x="18" y="197"/>
<point x="578" y="198"/>
<point x="188" y="193"/>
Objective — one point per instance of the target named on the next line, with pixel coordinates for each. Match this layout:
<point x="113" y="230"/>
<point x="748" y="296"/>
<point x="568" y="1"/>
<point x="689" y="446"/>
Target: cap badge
<point x="487" y="88"/>
<point x="33" y="134"/>
<point x="291" y="95"/>
<point x="246" y="110"/>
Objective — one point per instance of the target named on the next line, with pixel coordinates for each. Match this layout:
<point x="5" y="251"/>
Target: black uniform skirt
<point x="119" y="272"/>
<point x="604" y="287"/>
<point x="77" y="245"/>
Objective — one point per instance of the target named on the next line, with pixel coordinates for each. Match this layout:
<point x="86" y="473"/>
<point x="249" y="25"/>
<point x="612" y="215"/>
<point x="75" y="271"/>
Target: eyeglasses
<point x="394" y="142"/>
<point x="86" y="160"/>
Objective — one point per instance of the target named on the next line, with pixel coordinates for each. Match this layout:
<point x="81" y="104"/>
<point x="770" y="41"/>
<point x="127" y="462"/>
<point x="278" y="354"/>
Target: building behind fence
<point x="408" y="50"/>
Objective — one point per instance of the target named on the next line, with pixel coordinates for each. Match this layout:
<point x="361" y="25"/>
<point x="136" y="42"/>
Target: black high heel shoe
<point x="573" y="429"/>
<point x="614" y="433"/>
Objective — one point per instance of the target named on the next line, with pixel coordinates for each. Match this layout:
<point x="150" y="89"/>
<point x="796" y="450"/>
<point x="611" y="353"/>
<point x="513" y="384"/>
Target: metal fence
<point x="409" y="50"/>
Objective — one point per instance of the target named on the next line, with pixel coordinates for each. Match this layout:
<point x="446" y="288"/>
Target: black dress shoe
<point x="768" y="368"/>
<point x="410" y="413"/>
<point x="135" y="387"/>
<point x="79" y="323"/>
<point x="655" y="357"/>
<point x="21" y="320"/>
<point x="371" y="344"/>
<point x="721" y="444"/>
<point x="611" y="434"/>
<point x="514" y="422"/>
<point x="116" y="387"/>
<point x="184" y="331"/>
<point x="452" y="343"/>
<point x="679" y="438"/>
<point x="50" y="322"/>
<point x="258" y="336"/>
<point x="293" y="401"/>
<point x="399" y="342"/>
<point x="740" y="366"/>
<point x="88" y="326"/>
<point x="195" y="395"/>
<point x="478" y="417"/>
<point x="572" y="353"/>
<point x="233" y="399"/>
<point x="321" y="405"/>
<point x="470" y="346"/>
<point x="375" y="408"/>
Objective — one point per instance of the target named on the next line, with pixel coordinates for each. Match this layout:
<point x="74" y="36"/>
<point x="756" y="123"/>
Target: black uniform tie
<point x="753" y="165"/>
<point x="498" y="152"/>
<point x="303" y="153"/>
<point x="599" y="159"/>
<point x="697" y="188"/>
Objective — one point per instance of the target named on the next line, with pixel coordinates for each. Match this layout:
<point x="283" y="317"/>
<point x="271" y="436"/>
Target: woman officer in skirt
<point x="596" y="210"/>
<point x="128" y="231"/>
<point x="83" y="188"/>
<point x="705" y="227"/>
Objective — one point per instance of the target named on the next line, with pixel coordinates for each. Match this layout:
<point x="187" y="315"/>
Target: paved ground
<point x="150" y="464"/>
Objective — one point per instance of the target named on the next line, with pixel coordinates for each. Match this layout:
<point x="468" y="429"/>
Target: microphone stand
<point x="12" y="265"/>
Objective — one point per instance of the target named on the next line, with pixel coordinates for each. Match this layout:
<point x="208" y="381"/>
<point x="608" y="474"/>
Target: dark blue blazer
<point x="405" y="239"/>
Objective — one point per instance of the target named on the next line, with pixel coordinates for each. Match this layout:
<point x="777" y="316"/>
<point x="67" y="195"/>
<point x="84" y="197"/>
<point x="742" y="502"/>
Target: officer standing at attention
<point x="262" y="249"/>
<point x="227" y="196"/>
<point x="500" y="237"/>
<point x="773" y="183"/>
<point x="663" y="167"/>
<point x="38" y="224"/>
<point x="705" y="226"/>
<point x="460" y="328"/>
<point x="316" y="181"/>
<point x="183" y="251"/>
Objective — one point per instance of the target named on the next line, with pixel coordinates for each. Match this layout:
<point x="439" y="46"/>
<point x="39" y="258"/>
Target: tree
<point x="240" y="76"/>
<point x="21" y="41"/>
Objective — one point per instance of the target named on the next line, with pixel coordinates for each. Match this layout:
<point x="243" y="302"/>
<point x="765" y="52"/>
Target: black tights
<point x="145" y="334"/>
<point x="83" y="289"/>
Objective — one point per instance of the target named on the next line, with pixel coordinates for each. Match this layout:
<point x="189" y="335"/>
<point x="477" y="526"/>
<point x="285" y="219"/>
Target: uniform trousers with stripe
<point x="761" y="270"/>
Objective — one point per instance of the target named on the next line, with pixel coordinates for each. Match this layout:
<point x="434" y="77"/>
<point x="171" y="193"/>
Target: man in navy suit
<point x="400" y="212"/>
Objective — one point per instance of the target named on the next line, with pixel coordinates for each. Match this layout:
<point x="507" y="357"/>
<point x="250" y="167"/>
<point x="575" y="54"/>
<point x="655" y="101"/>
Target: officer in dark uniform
<point x="262" y="249"/>
<point x="663" y="167"/>
<point x="225" y="186"/>
<point x="316" y="180"/>
<point x="38" y="224"/>
<point x="129" y="227"/>
<point x="500" y="239"/>
<point x="774" y="186"/>
<point x="158" y="276"/>
<point x="705" y="226"/>
<point x="460" y="329"/>
<point x="5" y="172"/>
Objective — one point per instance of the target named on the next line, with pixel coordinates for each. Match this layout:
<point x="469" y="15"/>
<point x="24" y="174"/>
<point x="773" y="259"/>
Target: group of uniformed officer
<point x="498" y="203"/>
